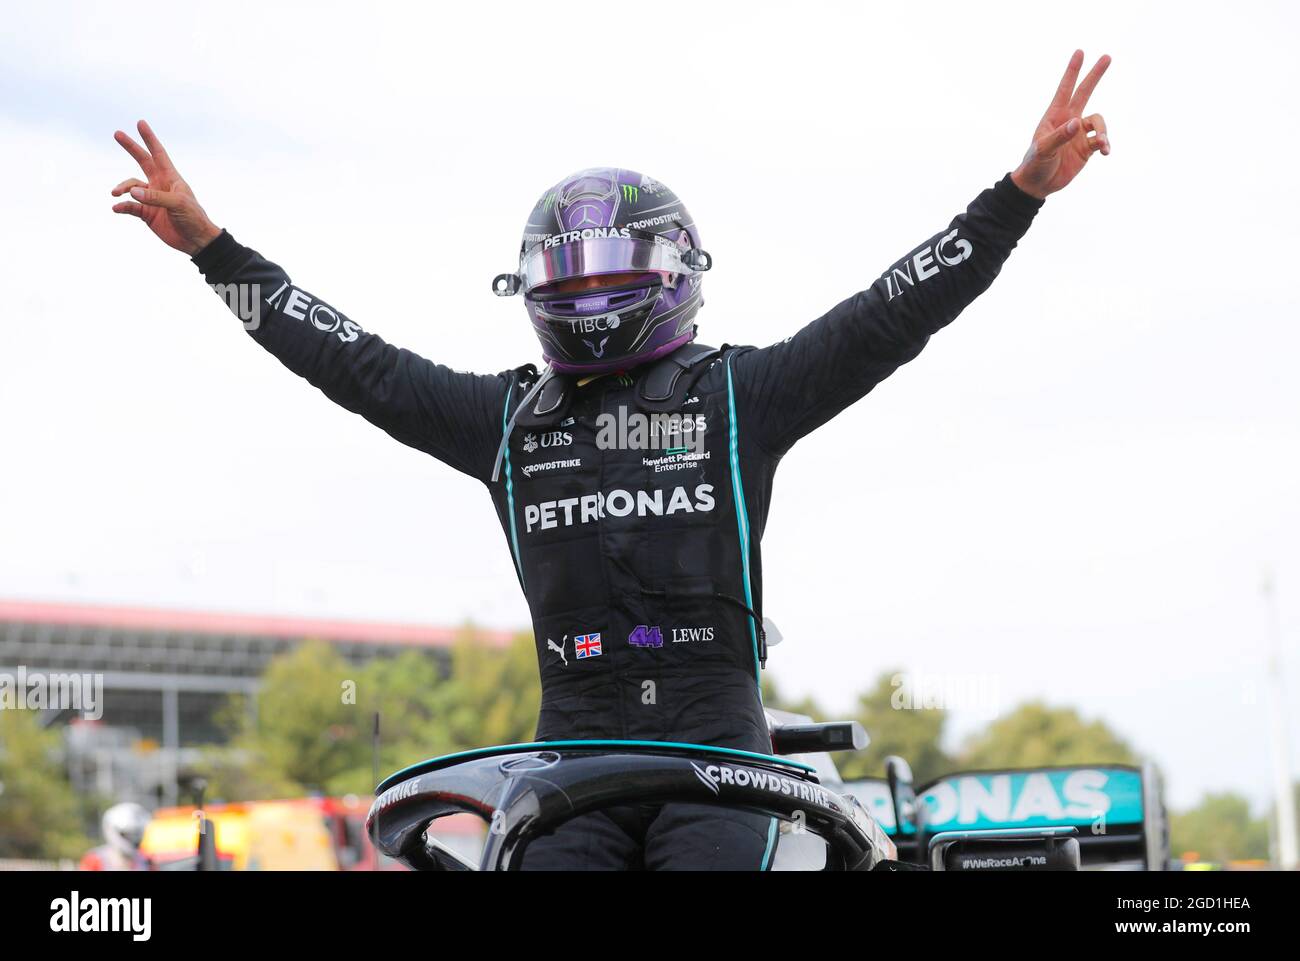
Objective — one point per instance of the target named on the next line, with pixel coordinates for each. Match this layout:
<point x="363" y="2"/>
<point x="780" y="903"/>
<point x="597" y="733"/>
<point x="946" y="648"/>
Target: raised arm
<point x="792" y="387"/>
<point x="454" y="416"/>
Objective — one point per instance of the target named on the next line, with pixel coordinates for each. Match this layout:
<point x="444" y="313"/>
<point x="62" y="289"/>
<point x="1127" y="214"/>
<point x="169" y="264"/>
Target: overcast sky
<point x="1073" y="491"/>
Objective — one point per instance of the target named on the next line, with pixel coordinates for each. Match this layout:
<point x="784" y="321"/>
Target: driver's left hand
<point x="1065" y="138"/>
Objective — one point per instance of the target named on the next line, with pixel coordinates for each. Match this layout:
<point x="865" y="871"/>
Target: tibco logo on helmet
<point x="604" y="221"/>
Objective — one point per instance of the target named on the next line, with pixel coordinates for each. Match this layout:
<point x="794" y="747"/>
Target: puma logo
<point x="558" y="648"/>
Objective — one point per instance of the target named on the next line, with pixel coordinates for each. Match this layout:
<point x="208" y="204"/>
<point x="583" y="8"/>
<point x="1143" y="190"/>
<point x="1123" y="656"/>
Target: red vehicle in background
<point x="300" y="834"/>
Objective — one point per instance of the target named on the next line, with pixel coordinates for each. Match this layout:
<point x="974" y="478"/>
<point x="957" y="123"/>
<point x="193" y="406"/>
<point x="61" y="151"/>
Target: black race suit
<point x="634" y="505"/>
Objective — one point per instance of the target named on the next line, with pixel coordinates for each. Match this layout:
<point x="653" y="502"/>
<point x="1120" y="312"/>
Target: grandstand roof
<point x="252" y="625"/>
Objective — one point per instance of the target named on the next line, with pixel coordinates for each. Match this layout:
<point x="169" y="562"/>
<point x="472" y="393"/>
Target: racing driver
<point x="632" y="474"/>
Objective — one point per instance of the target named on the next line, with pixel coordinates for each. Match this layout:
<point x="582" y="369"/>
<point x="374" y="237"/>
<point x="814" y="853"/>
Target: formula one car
<point x="1108" y="817"/>
<point x="1051" y="819"/>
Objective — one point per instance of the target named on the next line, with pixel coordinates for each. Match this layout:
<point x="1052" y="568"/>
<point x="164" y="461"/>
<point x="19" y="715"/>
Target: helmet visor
<point x="133" y="833"/>
<point x="600" y="255"/>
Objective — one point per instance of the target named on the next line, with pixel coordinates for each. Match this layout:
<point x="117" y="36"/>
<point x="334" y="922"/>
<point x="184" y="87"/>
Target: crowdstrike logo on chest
<point x="567" y="511"/>
<point x="949" y="251"/>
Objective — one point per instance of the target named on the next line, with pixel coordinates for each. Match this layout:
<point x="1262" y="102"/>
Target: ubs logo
<point x="554" y="438"/>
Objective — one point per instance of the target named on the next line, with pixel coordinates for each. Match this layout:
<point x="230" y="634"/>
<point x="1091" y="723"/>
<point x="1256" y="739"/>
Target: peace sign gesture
<point x="165" y="202"/>
<point x="1065" y="139"/>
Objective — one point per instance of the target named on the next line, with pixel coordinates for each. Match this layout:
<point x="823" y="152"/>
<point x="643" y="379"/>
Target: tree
<point x="774" y="698"/>
<point x="310" y="725"/>
<point x="494" y="696"/>
<point x="237" y="774"/>
<point x="1220" y="829"/>
<point x="895" y="726"/>
<point x="39" y="813"/>
<point x="1035" y="735"/>
<point x="304" y="730"/>
<point x="489" y="696"/>
<point x="408" y="693"/>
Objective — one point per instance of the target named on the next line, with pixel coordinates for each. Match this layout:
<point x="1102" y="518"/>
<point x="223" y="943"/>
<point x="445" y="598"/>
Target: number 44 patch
<point x="643" y="636"/>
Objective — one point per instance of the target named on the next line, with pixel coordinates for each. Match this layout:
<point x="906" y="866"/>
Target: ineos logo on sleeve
<point x="323" y="318"/>
<point x="949" y="250"/>
<point x="962" y="249"/>
<point x="300" y="305"/>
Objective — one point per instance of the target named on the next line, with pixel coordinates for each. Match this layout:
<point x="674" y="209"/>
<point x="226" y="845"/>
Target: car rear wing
<point x="1116" y="811"/>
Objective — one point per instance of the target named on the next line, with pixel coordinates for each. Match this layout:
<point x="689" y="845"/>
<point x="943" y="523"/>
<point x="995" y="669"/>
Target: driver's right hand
<point x="165" y="201"/>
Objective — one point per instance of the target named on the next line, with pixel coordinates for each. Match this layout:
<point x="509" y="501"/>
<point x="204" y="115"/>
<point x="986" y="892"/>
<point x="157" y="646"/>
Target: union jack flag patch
<point x="587" y="645"/>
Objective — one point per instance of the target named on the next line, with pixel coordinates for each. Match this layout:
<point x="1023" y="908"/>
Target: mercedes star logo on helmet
<point x="590" y="215"/>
